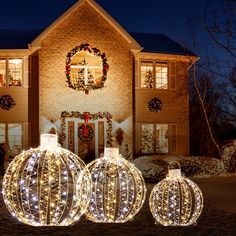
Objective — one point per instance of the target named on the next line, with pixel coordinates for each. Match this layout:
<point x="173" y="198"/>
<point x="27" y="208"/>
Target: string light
<point x="176" y="200"/>
<point x="47" y="186"/>
<point x="118" y="189"/>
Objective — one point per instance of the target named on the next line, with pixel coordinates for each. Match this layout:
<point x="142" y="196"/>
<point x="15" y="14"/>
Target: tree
<point x="148" y="82"/>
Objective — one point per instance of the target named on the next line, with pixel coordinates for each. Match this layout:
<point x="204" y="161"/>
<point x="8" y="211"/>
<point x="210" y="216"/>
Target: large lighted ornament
<point x="176" y="200"/>
<point x="47" y="186"/>
<point x="118" y="189"/>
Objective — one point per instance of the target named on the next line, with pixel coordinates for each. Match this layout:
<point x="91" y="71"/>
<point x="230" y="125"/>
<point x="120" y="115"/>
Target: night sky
<point x="169" y="17"/>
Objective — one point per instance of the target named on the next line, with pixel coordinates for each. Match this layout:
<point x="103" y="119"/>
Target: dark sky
<point x="169" y="17"/>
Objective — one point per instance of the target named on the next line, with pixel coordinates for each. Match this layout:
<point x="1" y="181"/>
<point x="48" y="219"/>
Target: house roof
<point x="17" y="39"/>
<point x="153" y="43"/>
<point x="159" y="43"/>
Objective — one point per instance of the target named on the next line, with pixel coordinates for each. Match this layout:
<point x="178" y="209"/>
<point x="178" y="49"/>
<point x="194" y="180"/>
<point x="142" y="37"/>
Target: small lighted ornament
<point x="47" y="186"/>
<point x="118" y="189"/>
<point x="176" y="200"/>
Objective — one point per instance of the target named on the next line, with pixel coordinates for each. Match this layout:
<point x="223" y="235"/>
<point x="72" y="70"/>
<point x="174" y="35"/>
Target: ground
<point x="218" y="217"/>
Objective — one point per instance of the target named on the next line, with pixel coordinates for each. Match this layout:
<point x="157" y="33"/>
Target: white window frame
<point x="154" y="63"/>
<point x="7" y="69"/>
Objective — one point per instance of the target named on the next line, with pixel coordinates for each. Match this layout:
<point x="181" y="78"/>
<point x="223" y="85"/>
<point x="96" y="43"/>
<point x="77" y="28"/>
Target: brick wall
<point x="85" y="25"/>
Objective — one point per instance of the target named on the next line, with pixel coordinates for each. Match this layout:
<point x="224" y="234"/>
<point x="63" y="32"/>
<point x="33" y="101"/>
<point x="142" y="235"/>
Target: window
<point x="11" y="72"/>
<point x="12" y="135"/>
<point x="161" y="75"/>
<point x="154" y="138"/>
<point x="154" y="75"/>
<point x="86" y="69"/>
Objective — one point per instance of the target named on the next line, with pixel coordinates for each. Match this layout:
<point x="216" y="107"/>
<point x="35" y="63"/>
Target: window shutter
<point x="136" y="73"/>
<point x="173" y="138"/>
<point x="26" y="72"/>
<point x="137" y="137"/>
<point x="26" y="135"/>
<point x="172" y="75"/>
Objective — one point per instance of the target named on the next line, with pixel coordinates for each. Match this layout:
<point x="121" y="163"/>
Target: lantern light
<point x="118" y="189"/>
<point x="47" y="186"/>
<point x="176" y="200"/>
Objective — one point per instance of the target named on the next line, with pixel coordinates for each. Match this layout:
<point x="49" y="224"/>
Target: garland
<point x="94" y="51"/>
<point x="84" y="116"/>
<point x="7" y="102"/>
<point x="85" y="133"/>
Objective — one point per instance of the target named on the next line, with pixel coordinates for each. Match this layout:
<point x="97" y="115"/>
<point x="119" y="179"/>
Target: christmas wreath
<point x="99" y="83"/>
<point x="85" y="133"/>
<point x="155" y="105"/>
<point x="6" y="102"/>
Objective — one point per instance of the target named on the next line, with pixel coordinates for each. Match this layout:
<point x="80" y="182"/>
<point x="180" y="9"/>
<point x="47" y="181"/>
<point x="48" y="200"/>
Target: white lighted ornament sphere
<point x="176" y="200"/>
<point x="47" y="186"/>
<point x="118" y="189"/>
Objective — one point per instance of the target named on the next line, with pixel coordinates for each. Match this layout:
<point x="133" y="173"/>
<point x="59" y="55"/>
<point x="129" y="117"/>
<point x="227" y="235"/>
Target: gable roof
<point x="17" y="39"/>
<point x="36" y="42"/>
<point x="158" y="43"/>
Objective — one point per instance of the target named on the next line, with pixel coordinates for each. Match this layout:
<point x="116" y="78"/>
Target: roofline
<point x="134" y="45"/>
<point x="14" y="50"/>
<point x="153" y="54"/>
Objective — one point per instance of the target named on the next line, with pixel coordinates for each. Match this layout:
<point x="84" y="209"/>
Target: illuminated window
<point x="154" y="138"/>
<point x="12" y="135"/>
<point x="147" y="75"/>
<point x="154" y="75"/>
<point x="11" y="72"/>
<point x="161" y="75"/>
<point x="86" y="69"/>
<point x="2" y="72"/>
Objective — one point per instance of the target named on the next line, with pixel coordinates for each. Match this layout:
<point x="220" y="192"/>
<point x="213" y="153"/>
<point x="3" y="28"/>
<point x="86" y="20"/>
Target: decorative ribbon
<point x="85" y="128"/>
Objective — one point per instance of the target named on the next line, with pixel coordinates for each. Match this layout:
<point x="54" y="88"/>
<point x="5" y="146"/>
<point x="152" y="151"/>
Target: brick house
<point x="94" y="87"/>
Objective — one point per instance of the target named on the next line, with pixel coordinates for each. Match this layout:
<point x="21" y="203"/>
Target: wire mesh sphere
<point x="47" y="186"/>
<point x="176" y="200"/>
<point x="118" y="189"/>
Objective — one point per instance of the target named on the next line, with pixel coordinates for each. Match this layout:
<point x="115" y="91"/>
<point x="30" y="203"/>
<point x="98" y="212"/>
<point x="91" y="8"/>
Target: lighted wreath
<point x="92" y="85"/>
<point x="7" y="102"/>
<point x="85" y="133"/>
<point x="155" y="105"/>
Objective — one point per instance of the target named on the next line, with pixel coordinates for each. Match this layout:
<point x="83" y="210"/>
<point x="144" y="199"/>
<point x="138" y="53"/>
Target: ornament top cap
<point x="174" y="170"/>
<point x="48" y="141"/>
<point x="111" y="153"/>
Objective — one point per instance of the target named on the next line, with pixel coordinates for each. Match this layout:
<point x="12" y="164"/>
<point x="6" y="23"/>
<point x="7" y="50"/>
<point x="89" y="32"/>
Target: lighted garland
<point x="95" y="51"/>
<point x="85" y="138"/>
<point x="95" y="116"/>
<point x="47" y="186"/>
<point x="176" y="200"/>
<point x="7" y="102"/>
<point x="117" y="191"/>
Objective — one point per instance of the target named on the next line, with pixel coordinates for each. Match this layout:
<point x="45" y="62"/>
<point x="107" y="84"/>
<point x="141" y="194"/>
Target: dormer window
<point x="11" y="72"/>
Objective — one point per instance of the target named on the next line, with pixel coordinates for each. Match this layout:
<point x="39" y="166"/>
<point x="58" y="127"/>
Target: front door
<point x="87" y="145"/>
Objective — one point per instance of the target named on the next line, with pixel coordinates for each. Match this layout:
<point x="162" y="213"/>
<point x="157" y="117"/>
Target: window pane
<point x="147" y="78"/>
<point x="2" y="72"/>
<point x="15" y="138"/>
<point x="15" y="72"/>
<point x="2" y="133"/>
<point x="161" y="75"/>
<point x="147" y="138"/>
<point x="162" y="138"/>
<point x="86" y="69"/>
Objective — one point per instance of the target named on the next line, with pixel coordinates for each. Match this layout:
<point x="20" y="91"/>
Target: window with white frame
<point x="154" y="138"/>
<point x="154" y="75"/>
<point x="11" y="72"/>
<point x="11" y="134"/>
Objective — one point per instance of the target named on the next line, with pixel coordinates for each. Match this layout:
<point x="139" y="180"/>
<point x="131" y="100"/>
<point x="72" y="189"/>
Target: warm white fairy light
<point x="47" y="186"/>
<point x="176" y="200"/>
<point x="118" y="189"/>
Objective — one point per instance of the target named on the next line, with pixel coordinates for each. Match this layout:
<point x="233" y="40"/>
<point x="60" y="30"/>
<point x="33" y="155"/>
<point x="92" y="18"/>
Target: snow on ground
<point x="218" y="217"/>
